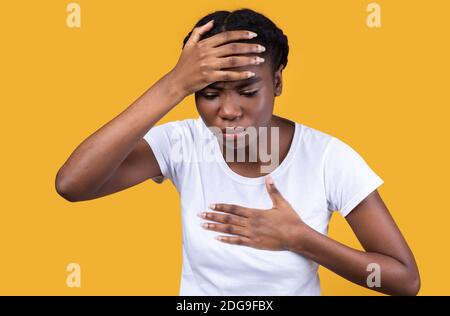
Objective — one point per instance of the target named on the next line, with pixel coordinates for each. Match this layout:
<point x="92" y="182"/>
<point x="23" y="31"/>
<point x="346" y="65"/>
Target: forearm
<point x="96" y="158"/>
<point x="353" y="264"/>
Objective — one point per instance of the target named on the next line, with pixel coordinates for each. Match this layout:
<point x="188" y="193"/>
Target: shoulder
<point x="319" y="146"/>
<point x="178" y="124"/>
<point x="314" y="141"/>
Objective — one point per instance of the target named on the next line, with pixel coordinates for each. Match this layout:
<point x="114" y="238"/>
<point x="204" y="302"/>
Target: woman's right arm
<point x="116" y="156"/>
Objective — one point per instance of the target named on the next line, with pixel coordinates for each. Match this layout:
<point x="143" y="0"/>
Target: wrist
<point x="174" y="86"/>
<point x="298" y="237"/>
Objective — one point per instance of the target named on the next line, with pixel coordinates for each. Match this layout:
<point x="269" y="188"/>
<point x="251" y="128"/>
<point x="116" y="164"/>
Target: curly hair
<point x="269" y="35"/>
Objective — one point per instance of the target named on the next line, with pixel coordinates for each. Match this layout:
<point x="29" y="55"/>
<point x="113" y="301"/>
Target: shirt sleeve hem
<point x="360" y="196"/>
<point x="159" y="158"/>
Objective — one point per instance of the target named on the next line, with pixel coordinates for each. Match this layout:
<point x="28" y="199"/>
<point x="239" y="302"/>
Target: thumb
<point x="198" y="32"/>
<point x="274" y="194"/>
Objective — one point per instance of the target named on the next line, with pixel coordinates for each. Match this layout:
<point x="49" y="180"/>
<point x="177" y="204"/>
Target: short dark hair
<point x="269" y="35"/>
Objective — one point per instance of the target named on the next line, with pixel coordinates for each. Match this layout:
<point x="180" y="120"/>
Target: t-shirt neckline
<point x="282" y="167"/>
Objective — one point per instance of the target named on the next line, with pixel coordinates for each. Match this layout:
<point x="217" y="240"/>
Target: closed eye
<point x="249" y="94"/>
<point x="208" y="96"/>
<point x="211" y="96"/>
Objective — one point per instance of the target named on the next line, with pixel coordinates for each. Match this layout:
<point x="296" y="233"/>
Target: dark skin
<point x="247" y="103"/>
<point x="116" y="157"/>
<point x="250" y="103"/>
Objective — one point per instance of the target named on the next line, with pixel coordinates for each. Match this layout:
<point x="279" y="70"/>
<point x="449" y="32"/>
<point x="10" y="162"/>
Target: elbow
<point x="66" y="188"/>
<point x="412" y="286"/>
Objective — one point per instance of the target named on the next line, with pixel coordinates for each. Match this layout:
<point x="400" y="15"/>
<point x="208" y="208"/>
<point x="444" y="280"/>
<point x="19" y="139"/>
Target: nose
<point x="229" y="109"/>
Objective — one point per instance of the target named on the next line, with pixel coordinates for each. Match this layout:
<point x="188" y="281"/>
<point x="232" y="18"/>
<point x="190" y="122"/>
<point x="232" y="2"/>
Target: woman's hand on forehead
<point x="202" y="62"/>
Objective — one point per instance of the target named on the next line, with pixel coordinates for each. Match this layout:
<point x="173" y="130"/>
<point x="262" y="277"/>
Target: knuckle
<point x="226" y="77"/>
<point x="204" y="73"/>
<point x="227" y="219"/>
<point x="201" y="45"/>
<point x="203" y="65"/>
<point x="233" y="61"/>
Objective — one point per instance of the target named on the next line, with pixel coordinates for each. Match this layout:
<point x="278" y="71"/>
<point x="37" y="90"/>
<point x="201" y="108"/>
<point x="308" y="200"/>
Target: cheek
<point x="206" y="109"/>
<point x="261" y="104"/>
<point x="200" y="104"/>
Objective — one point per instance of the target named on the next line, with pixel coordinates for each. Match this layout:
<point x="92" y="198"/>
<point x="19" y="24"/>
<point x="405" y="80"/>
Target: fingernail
<point x="259" y="60"/>
<point x="201" y="214"/>
<point x="252" y="34"/>
<point x="262" y="48"/>
<point x="205" y="225"/>
<point x="250" y="74"/>
<point x="212" y="206"/>
<point x="269" y="180"/>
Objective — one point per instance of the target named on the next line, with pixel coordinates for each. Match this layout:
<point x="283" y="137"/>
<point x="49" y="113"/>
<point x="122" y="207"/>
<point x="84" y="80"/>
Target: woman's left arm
<point x="281" y="228"/>
<point x="382" y="241"/>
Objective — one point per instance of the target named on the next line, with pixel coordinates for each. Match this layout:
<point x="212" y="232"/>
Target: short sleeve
<point x="348" y="178"/>
<point x="161" y="139"/>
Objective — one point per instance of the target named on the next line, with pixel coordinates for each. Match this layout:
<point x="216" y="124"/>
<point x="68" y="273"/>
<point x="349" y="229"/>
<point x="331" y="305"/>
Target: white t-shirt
<point x="319" y="175"/>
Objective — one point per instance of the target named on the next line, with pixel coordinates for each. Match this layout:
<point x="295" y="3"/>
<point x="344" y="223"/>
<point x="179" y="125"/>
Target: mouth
<point x="233" y="131"/>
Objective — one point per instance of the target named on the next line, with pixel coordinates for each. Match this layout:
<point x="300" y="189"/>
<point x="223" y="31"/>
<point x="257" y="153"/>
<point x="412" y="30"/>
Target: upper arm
<point x="377" y="231"/>
<point x="139" y="166"/>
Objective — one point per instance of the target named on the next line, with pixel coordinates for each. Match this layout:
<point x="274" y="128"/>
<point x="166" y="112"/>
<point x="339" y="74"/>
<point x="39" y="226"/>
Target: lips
<point x="231" y="130"/>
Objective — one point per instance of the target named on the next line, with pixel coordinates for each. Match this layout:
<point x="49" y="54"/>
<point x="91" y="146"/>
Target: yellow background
<point x="384" y="91"/>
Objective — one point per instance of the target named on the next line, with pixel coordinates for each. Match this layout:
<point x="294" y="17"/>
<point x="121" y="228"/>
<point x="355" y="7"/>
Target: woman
<point x="270" y="183"/>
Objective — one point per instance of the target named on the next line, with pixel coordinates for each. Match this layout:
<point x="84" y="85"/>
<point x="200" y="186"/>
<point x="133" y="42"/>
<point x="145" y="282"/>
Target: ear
<point x="278" y="81"/>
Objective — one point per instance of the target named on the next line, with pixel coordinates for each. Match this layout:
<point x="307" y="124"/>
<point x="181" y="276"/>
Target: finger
<point x="224" y="218"/>
<point x="226" y="228"/>
<point x="198" y="32"/>
<point x="232" y="209"/>
<point x="228" y="75"/>
<point x="274" y="194"/>
<point x="238" y="240"/>
<point x="237" y="49"/>
<point x="237" y="61"/>
<point x="228" y="36"/>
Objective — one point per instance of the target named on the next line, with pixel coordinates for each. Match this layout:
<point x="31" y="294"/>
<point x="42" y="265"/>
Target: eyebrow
<point x="242" y="83"/>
